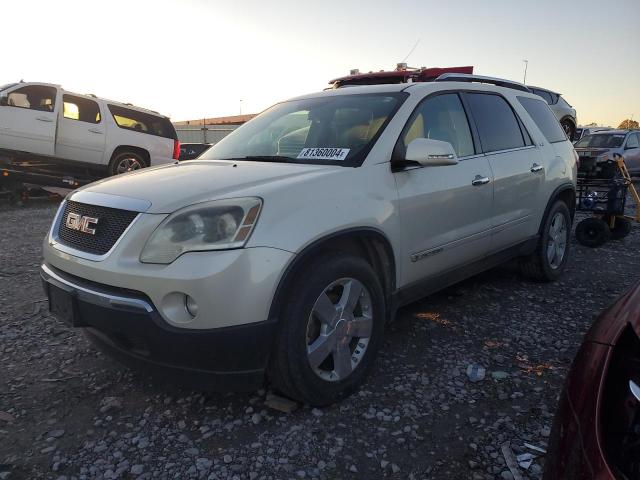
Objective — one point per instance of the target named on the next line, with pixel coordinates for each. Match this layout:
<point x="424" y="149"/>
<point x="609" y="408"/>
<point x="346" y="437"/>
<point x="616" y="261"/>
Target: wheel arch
<point x="130" y="148"/>
<point x="365" y="242"/>
<point x="565" y="192"/>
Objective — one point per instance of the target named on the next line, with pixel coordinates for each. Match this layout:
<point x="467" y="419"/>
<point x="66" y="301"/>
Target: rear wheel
<point x="593" y="232"/>
<point x="124" y="162"/>
<point x="568" y="128"/>
<point x="330" y="331"/>
<point x="621" y="228"/>
<point x="550" y="257"/>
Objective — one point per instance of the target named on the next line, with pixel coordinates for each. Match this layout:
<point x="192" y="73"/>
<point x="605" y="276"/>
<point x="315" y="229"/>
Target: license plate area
<point x="63" y="305"/>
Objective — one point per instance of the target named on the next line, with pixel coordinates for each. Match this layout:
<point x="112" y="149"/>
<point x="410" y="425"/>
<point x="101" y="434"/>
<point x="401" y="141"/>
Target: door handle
<point x="45" y="119"/>
<point x="95" y="130"/>
<point x="480" y="181"/>
<point x="536" y="168"/>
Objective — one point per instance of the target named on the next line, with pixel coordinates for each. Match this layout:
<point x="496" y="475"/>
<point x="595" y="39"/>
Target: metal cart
<point x="606" y="200"/>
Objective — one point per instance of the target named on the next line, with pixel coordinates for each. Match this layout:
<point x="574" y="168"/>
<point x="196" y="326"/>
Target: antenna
<point x="411" y="51"/>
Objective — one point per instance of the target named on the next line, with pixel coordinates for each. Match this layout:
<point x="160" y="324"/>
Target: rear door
<point x="28" y="119"/>
<point x="81" y="131"/>
<point x="445" y="211"/>
<point x="517" y="166"/>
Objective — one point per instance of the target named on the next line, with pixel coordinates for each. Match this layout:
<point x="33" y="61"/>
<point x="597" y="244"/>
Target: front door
<point x="81" y="131"/>
<point x="445" y="212"/>
<point x="28" y="119"/>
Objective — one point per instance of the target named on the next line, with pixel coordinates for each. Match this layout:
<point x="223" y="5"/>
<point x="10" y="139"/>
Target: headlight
<point x="216" y="225"/>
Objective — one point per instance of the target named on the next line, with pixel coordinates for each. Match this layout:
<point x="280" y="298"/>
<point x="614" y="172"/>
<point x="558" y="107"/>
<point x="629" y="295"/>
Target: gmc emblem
<point x="76" y="221"/>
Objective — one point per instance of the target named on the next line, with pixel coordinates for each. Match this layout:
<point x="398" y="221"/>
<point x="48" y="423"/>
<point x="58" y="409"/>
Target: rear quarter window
<point x="142" y="122"/>
<point x="544" y="118"/>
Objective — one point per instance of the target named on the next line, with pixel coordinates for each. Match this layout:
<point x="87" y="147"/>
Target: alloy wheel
<point x="128" y="164"/>
<point x="339" y="329"/>
<point x="557" y="243"/>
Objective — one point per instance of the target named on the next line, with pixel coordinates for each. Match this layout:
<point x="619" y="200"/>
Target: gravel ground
<point x="67" y="411"/>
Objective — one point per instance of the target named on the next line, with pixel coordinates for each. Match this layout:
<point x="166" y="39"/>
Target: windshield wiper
<point x="263" y="158"/>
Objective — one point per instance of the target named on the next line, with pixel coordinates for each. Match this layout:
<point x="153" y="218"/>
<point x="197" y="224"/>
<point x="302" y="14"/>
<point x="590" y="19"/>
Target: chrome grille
<point x="112" y="222"/>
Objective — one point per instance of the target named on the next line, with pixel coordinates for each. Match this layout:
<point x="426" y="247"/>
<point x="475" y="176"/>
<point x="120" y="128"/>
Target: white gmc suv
<point x="44" y="120"/>
<point x="282" y="253"/>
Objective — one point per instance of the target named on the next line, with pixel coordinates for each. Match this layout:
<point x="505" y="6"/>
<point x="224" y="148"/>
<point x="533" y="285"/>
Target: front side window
<point x="601" y="140"/>
<point x="497" y="124"/>
<point x="33" y="97"/>
<point x="338" y="130"/>
<point x="441" y="117"/>
<point x="142" y="122"/>
<point x="544" y="119"/>
<point x="81" y="109"/>
<point x="633" y="141"/>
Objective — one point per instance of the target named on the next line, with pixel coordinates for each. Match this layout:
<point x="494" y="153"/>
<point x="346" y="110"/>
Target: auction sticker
<point x="324" y="153"/>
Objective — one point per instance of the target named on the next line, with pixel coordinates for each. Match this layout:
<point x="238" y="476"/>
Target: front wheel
<point x="330" y="330"/>
<point x="125" y="162"/>
<point x="550" y="257"/>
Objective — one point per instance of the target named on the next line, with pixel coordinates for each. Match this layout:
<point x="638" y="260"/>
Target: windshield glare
<point x="337" y="130"/>
<point x="601" y="141"/>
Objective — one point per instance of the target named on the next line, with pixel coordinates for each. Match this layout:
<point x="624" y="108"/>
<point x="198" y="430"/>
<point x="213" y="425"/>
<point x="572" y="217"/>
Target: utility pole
<point x="240" y="106"/>
<point x="526" y="64"/>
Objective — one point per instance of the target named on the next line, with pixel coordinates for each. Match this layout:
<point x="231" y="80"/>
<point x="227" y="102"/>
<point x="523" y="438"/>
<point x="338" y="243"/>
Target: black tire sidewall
<point x="554" y="273"/>
<point x="621" y="229"/>
<point x="593" y="241"/>
<point x="116" y="159"/>
<point x="308" y="287"/>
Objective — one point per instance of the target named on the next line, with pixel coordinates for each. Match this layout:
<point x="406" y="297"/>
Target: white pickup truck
<point x="44" y="120"/>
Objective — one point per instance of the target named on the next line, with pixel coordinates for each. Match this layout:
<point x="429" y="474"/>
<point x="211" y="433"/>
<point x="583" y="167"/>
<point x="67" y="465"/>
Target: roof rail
<point x="500" y="82"/>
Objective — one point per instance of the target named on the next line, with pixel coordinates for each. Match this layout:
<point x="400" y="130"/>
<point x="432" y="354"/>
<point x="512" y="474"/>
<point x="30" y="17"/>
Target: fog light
<point x="191" y="305"/>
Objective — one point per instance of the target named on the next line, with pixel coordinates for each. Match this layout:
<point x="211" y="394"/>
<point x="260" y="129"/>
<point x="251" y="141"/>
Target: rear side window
<point x="81" y="109"/>
<point x="142" y="122"/>
<point x="33" y="97"/>
<point x="544" y="118"/>
<point x="443" y="118"/>
<point x="498" y="126"/>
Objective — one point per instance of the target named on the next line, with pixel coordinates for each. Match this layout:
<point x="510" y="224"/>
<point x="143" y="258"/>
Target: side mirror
<point x="4" y="101"/>
<point x="431" y="153"/>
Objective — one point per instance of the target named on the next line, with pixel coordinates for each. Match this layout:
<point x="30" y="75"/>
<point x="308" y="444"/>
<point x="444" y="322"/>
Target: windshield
<point x="601" y="141"/>
<point x="334" y="130"/>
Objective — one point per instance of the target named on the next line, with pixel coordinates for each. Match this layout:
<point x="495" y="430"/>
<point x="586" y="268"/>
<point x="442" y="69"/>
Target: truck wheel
<point x="125" y="162"/>
<point x="621" y="228"/>
<point x="550" y="257"/>
<point x="592" y="232"/>
<point x="330" y="330"/>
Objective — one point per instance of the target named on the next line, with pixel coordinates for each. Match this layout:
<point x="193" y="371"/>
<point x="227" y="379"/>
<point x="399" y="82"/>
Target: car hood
<point x="170" y="187"/>
<point x="612" y="321"/>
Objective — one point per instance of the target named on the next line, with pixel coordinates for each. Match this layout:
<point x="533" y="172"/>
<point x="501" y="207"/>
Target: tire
<point x="621" y="228"/>
<point x="549" y="259"/>
<point x="124" y="162"/>
<point x="569" y="129"/>
<point x="303" y="337"/>
<point x="593" y="232"/>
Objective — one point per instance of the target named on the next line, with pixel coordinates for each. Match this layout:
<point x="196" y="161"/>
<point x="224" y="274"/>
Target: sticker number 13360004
<point x="324" y="153"/>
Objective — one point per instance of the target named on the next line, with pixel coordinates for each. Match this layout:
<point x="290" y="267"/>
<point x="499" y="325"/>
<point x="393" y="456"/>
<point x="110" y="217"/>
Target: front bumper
<point x="126" y="325"/>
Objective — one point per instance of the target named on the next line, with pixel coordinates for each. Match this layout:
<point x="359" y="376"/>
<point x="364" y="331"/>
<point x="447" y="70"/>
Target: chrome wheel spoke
<point x="325" y="310"/>
<point x="321" y="348"/>
<point x="350" y="294"/>
<point x="342" y="361"/>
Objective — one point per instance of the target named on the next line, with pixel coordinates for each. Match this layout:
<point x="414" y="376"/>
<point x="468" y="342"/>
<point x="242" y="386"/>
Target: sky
<point x="191" y="59"/>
